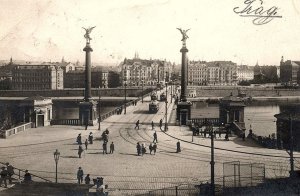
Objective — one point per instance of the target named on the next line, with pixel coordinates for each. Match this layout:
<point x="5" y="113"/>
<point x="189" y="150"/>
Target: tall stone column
<point x="184" y="77"/>
<point x="88" y="50"/>
<point x="87" y="108"/>
<point x="183" y="113"/>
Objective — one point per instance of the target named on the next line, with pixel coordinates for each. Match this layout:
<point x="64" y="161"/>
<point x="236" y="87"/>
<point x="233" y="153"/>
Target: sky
<point x="47" y="30"/>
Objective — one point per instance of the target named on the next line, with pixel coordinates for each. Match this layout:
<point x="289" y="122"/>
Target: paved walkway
<point x="124" y="171"/>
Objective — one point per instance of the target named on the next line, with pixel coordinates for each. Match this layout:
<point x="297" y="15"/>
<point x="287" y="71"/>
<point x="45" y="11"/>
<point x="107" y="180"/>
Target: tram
<point x="162" y="97"/>
<point x="153" y="106"/>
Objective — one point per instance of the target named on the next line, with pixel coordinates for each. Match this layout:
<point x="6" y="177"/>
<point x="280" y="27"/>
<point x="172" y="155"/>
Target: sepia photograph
<point x="149" y="98"/>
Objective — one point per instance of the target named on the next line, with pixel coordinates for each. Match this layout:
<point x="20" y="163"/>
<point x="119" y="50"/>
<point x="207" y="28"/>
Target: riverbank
<point x="278" y="98"/>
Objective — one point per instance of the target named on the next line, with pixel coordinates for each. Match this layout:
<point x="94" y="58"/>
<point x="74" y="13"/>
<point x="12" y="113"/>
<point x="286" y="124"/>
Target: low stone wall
<point x="217" y="91"/>
<point x="15" y="130"/>
<point x="108" y="92"/>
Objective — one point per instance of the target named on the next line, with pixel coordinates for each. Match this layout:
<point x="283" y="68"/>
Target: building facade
<point x="212" y="73"/>
<point x="289" y="71"/>
<point x="76" y="78"/>
<point x="137" y="72"/>
<point x="245" y="73"/>
<point x="37" y="77"/>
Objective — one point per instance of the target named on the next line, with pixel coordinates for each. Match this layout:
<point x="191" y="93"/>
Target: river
<point x="258" y="115"/>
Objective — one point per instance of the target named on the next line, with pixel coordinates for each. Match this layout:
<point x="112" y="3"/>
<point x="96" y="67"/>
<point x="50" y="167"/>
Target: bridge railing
<point x="15" y="130"/>
<point x="65" y="122"/>
<point x="19" y="173"/>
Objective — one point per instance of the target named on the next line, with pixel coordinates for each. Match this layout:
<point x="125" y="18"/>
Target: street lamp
<point x="99" y="115"/>
<point x="142" y="91"/>
<point x="56" y="158"/>
<point x="166" y="123"/>
<point x="125" y="84"/>
<point x="171" y="90"/>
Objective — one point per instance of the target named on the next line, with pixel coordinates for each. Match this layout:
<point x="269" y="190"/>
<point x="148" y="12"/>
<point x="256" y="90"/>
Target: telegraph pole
<point x="292" y="172"/>
<point x="212" y="163"/>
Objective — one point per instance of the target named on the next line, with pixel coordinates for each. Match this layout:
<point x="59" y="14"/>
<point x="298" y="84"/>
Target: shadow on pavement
<point x="69" y="157"/>
<point x="94" y="153"/>
<point x="248" y="142"/>
<point x="141" y="112"/>
<point x="128" y="154"/>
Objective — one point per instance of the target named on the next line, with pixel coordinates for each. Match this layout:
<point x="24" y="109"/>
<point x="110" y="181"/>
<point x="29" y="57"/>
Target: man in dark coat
<point x="138" y="148"/>
<point x="112" y="148"/>
<point x="80" y="150"/>
<point x="91" y="138"/>
<point x="154" y="137"/>
<point x="178" y="147"/>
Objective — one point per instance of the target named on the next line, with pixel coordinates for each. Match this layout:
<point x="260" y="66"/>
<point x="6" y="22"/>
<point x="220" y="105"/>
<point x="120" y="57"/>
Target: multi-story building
<point x="76" y="78"/>
<point x="289" y="71"/>
<point x="212" y="73"/>
<point x="265" y="73"/>
<point x="138" y="71"/>
<point x="40" y="76"/>
<point x="244" y="73"/>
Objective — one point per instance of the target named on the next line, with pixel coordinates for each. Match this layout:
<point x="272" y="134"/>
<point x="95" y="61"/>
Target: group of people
<point x="100" y="188"/>
<point x="105" y="142"/>
<point x="141" y="149"/>
<point x="88" y="141"/>
<point x="6" y="174"/>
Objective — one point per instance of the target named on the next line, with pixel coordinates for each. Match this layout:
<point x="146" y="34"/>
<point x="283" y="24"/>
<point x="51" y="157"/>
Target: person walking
<point x="104" y="147"/>
<point x="10" y="171"/>
<point x="160" y="124"/>
<point x="138" y="149"/>
<point x="150" y="148"/>
<point x="154" y="148"/>
<point x="87" y="179"/>
<point x="137" y="125"/>
<point x="143" y="149"/>
<point x="3" y="175"/>
<point x="154" y="137"/>
<point x="79" y="175"/>
<point x="111" y="148"/>
<point x="91" y="138"/>
<point x="86" y="143"/>
<point x="152" y="124"/>
<point x="178" y="147"/>
<point x="78" y="140"/>
<point x="80" y="150"/>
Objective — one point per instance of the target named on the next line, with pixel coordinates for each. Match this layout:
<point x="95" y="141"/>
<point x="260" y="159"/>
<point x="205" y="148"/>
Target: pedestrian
<point x="80" y="175"/>
<point x="80" y="150"/>
<point x="137" y="125"/>
<point x="205" y="133"/>
<point x="86" y="143"/>
<point x="154" y="137"/>
<point x="244" y="136"/>
<point x="138" y="148"/>
<point x="10" y="171"/>
<point x="143" y="149"/>
<point x="160" y="124"/>
<point x="219" y="133"/>
<point x="154" y="148"/>
<point x="78" y="140"/>
<point x="91" y="138"/>
<point x="226" y="137"/>
<point x="150" y="148"/>
<point x="3" y="175"/>
<point x="152" y="125"/>
<point x="104" y="147"/>
<point x="87" y="179"/>
<point x="112" y="148"/>
<point x="27" y="176"/>
<point x="178" y="147"/>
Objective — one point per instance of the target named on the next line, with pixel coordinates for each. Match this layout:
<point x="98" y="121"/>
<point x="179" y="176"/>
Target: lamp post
<point x="142" y="91"/>
<point x="99" y="115"/>
<point x="171" y="90"/>
<point x="292" y="172"/>
<point x="125" y="84"/>
<point x="56" y="158"/>
<point x="212" y="162"/>
<point x="166" y="123"/>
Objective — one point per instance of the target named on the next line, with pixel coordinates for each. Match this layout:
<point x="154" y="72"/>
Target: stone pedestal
<point x="183" y="112"/>
<point x="88" y="113"/>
